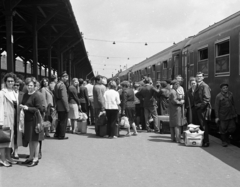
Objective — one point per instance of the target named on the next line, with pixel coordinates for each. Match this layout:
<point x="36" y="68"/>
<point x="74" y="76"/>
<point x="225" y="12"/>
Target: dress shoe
<point x="15" y="157"/>
<point x="34" y="163"/>
<point x="27" y="161"/>
<point x="5" y="164"/>
<point x="206" y="144"/>
<point x="63" y="138"/>
<point x="12" y="162"/>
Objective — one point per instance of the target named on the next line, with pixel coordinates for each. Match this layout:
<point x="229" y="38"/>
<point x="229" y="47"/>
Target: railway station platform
<point x="148" y="159"/>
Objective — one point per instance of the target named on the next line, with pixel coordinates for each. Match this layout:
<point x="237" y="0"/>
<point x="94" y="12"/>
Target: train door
<point x="175" y="65"/>
<point x="185" y="74"/>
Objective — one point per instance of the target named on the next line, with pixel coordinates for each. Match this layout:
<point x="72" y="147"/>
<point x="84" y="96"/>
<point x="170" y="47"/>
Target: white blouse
<point x="112" y="99"/>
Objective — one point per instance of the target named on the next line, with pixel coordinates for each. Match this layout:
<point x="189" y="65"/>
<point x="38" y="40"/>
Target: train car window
<point x="146" y="71"/>
<point x="154" y="68"/>
<point x="222" y="63"/>
<point x="223" y="48"/>
<point x="202" y="64"/>
<point x="165" y="65"/>
<point x="158" y="76"/>
<point x="203" y="54"/>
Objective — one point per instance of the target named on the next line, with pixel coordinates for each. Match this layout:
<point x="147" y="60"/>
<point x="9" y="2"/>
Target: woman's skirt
<point x="73" y="111"/>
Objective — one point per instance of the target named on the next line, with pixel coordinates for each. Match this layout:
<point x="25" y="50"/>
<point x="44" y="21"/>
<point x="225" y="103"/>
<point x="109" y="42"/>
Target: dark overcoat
<point x="202" y="98"/>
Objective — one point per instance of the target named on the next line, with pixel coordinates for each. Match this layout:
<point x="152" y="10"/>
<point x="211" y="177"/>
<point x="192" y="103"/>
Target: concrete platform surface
<point x="146" y="160"/>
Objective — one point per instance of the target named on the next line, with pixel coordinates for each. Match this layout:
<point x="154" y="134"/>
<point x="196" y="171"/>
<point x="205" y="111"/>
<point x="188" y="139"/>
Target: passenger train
<point x="215" y="51"/>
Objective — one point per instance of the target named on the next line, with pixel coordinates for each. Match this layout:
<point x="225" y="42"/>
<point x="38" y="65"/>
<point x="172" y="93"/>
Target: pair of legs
<point x="62" y="124"/>
<point x="90" y="112"/>
<point x="175" y="134"/>
<point x="151" y="112"/>
<point x="34" y="150"/>
<point x="74" y="125"/>
<point x="226" y="128"/>
<point x="204" y="127"/>
<point x="6" y="155"/>
<point x="130" y="113"/>
<point x="112" y="127"/>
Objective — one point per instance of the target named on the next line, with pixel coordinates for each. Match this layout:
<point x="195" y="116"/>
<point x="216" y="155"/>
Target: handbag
<point x="101" y="120"/>
<point x="5" y="134"/>
<point x="39" y="122"/>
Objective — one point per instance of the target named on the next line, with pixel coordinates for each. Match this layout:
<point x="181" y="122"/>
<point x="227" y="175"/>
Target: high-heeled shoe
<point x="34" y="163"/>
<point x="28" y="161"/>
<point x="12" y="162"/>
<point x="5" y="164"/>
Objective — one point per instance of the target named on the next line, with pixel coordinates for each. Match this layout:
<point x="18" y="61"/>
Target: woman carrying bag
<point x="8" y="119"/>
<point x="31" y="104"/>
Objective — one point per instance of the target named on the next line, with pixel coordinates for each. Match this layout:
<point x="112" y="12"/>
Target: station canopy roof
<point x="57" y="29"/>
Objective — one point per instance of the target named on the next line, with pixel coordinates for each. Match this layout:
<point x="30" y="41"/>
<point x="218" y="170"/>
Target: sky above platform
<point x="158" y="23"/>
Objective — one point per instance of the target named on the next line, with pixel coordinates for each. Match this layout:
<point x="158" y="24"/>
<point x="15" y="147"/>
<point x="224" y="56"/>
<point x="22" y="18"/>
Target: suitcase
<point x="102" y="130"/>
<point x="164" y="127"/>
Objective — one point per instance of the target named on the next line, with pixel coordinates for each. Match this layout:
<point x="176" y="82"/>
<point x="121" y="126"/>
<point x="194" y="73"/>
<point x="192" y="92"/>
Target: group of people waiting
<point x="141" y="103"/>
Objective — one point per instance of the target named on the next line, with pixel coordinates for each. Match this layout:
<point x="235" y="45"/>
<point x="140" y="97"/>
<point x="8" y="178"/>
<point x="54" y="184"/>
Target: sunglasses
<point x="16" y="85"/>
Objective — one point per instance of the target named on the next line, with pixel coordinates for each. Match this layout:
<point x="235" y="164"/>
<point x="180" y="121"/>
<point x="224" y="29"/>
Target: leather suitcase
<point x="102" y="130"/>
<point x="164" y="127"/>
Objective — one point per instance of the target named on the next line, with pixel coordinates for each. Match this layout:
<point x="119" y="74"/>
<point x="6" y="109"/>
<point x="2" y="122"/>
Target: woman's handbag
<point x="39" y="122"/>
<point x="5" y="134"/>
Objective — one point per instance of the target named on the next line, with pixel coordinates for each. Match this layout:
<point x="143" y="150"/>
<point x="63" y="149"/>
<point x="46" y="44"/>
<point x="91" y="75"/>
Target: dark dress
<point x="15" y="122"/>
<point x="34" y="103"/>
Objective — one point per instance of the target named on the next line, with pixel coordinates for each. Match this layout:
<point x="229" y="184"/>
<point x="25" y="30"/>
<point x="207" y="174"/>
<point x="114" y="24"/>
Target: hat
<point x="163" y="84"/>
<point x="63" y="74"/>
<point x="174" y="82"/>
<point x="223" y="84"/>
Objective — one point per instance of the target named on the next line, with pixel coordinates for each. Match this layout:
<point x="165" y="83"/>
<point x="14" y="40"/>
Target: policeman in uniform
<point x="62" y="106"/>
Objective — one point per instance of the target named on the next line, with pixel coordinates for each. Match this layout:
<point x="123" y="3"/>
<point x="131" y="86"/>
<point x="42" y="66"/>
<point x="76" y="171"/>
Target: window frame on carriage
<point x="200" y="59"/>
<point x="217" y="56"/>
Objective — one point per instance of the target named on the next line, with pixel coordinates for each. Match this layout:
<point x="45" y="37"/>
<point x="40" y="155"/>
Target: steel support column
<point x="40" y="69"/>
<point x="0" y="65"/>
<point x="70" y="64"/>
<point x="9" y="37"/>
<point x="25" y="68"/>
<point x="61" y="63"/>
<point x="45" y="68"/>
<point x="35" y="46"/>
<point x="49" y="61"/>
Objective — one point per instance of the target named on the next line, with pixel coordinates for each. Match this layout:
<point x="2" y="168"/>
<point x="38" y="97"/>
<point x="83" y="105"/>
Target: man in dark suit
<point x="148" y="94"/>
<point x="202" y="97"/>
<point x="62" y="106"/>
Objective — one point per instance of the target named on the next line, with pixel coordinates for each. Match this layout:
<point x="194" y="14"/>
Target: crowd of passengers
<point x="142" y="104"/>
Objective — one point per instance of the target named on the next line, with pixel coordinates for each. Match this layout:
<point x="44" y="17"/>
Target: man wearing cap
<point x="202" y="98"/>
<point x="62" y="106"/>
<point x="225" y="113"/>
